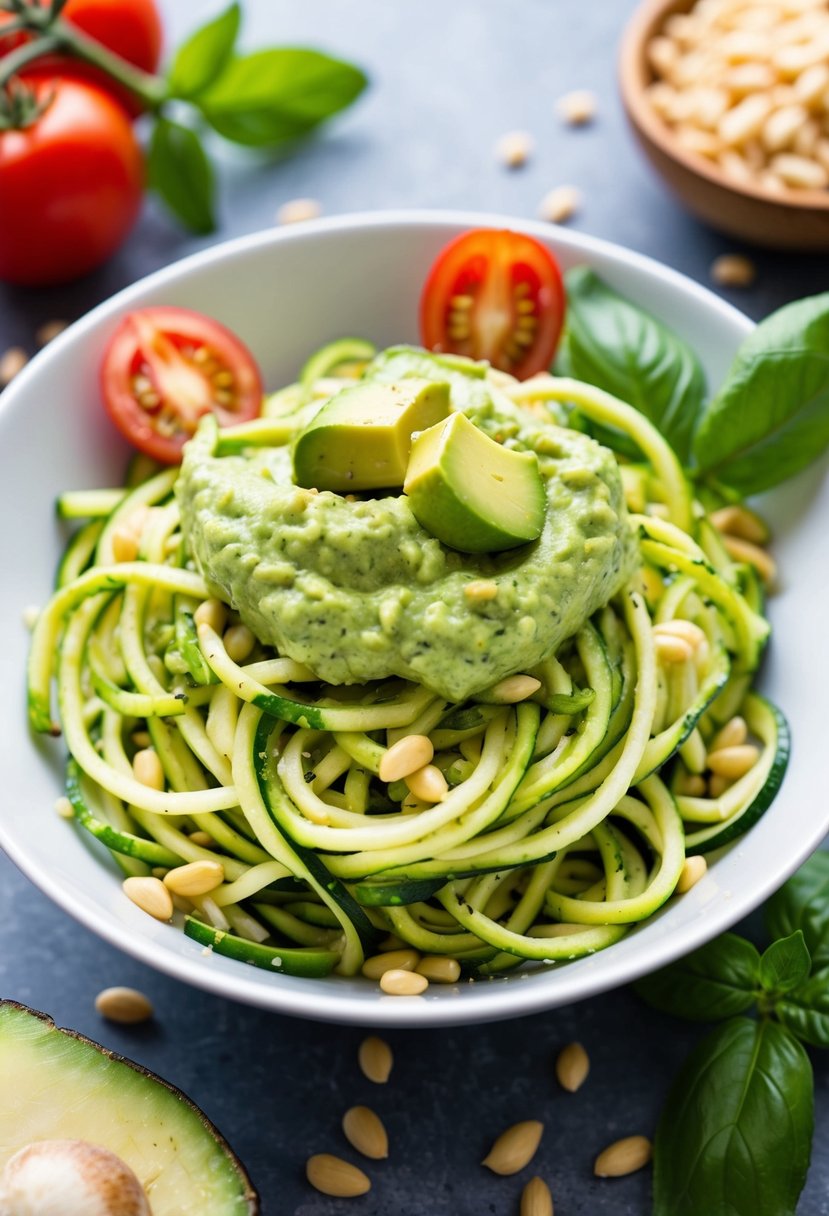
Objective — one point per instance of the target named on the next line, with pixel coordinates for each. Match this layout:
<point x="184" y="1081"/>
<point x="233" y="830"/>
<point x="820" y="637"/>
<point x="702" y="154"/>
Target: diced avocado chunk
<point x="470" y="492"/>
<point x="64" y="1086"/>
<point x="361" y="438"/>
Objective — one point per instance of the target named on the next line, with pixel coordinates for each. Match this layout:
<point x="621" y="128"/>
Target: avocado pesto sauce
<point x="359" y="591"/>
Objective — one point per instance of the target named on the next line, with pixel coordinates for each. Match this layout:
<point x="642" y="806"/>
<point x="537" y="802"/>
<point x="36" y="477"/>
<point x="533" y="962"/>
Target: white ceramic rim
<point x="492" y="1001"/>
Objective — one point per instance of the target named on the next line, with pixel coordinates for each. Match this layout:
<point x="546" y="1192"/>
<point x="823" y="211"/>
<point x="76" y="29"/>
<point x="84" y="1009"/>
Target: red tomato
<point x="496" y="295"/>
<point x="70" y="184"/>
<point x="165" y="368"/>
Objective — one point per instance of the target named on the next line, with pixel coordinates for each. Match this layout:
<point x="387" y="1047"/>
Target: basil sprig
<point x="734" y="1137"/>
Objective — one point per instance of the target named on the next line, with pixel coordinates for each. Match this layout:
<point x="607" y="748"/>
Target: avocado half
<point x="58" y="1084"/>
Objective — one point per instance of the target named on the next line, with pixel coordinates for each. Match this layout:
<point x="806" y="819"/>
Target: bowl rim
<point x="634" y="77"/>
<point x="499" y="999"/>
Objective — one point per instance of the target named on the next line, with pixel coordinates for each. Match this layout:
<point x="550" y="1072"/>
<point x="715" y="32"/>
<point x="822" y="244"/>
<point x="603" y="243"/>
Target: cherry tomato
<point x="496" y="295"/>
<point x="70" y="184"/>
<point x="165" y="368"/>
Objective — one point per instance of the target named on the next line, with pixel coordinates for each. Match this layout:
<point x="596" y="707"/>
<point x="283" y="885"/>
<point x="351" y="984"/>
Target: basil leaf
<point x="714" y="982"/>
<point x="771" y="417"/>
<point x="803" y="903"/>
<point x="806" y="1010"/>
<point x="180" y="172"/>
<point x="734" y="1137"/>
<point x="199" y="61"/>
<point x="785" y="964"/>
<point x="612" y="343"/>
<point x="275" y="95"/>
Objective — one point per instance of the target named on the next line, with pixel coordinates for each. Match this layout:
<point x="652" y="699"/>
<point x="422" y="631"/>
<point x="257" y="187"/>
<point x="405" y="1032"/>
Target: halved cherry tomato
<point x="165" y="368"/>
<point x="496" y="295"/>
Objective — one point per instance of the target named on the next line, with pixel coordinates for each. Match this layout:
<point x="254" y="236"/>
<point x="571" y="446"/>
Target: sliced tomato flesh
<point x="165" y="368"/>
<point x="496" y="295"/>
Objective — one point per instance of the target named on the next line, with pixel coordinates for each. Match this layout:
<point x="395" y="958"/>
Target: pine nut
<point x="733" y="734"/>
<point x="238" y="642"/>
<point x="298" y="210"/>
<point x="572" y="1067"/>
<point x="195" y="878"/>
<point x="745" y="120"/>
<point x="812" y="84"/>
<point x="663" y="54"/>
<point x="392" y="960"/>
<point x="211" y="612"/>
<point x="48" y="331"/>
<point x="577" y="108"/>
<point x="560" y="204"/>
<point x="332" y="1176"/>
<point x="514" y="149"/>
<point x="693" y="869"/>
<point x="679" y="628"/>
<point x="125" y="1005"/>
<point x="439" y="969"/>
<point x="375" y="1059"/>
<point x="147" y="769"/>
<point x="691" y="784"/>
<point x="405" y="757"/>
<point x="536" y="1199"/>
<point x="514" y="1148"/>
<point x="150" y="895"/>
<point x="733" y="270"/>
<point x="623" y="1157"/>
<point x="799" y="171"/>
<point x="403" y="983"/>
<point x="753" y="555"/>
<point x="364" y="1131"/>
<point x="428" y="784"/>
<point x="733" y="762"/>
<point x="671" y="649"/>
<point x="781" y="127"/>
<point x="11" y="363"/>
<point x="63" y="808"/>
<point x="513" y="689"/>
<point x="717" y="785"/>
<point x="124" y="545"/>
<point x="203" y="839"/>
<point x="739" y="521"/>
<point x="480" y="590"/>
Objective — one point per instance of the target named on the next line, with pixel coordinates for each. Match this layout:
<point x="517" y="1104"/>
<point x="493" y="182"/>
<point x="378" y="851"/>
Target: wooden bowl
<point x="783" y="219"/>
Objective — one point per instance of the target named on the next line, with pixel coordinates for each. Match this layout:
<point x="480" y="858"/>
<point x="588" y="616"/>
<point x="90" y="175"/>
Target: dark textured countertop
<point x="448" y="79"/>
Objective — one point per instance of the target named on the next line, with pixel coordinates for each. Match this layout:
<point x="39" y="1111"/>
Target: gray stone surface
<point x="448" y="79"/>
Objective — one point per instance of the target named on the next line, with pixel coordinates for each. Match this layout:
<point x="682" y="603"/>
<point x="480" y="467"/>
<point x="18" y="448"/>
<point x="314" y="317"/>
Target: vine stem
<point x="12" y="63"/>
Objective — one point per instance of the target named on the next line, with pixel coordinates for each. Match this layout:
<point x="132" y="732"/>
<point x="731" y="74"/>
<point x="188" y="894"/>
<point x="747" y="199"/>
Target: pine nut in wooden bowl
<point x="729" y="101"/>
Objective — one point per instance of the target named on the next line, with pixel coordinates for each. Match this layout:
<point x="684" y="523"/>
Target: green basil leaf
<point x="180" y="172"/>
<point x="271" y="96"/>
<point x="714" y="982"/>
<point x="803" y="903"/>
<point x="200" y="60"/>
<point x="771" y="417"/>
<point x="785" y="964"/>
<point x="612" y="343"/>
<point x="735" y="1135"/>
<point x="805" y="1010"/>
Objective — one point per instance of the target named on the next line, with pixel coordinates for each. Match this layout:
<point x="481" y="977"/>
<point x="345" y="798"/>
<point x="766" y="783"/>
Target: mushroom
<point x="70" y="1178"/>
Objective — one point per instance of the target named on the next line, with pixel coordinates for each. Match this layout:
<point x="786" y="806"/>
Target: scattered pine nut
<point x="332" y="1176"/>
<point x="405" y="757"/>
<point x="623" y="1157"/>
<point x="392" y="960"/>
<point x="739" y="521"/>
<point x="733" y="270"/>
<point x="63" y="807"/>
<point x="680" y="628"/>
<point x="514" y="149"/>
<point x="693" y="869"/>
<point x="514" y="1148"/>
<point x="560" y="204"/>
<point x="211" y="612"/>
<point x="572" y="1067"/>
<point x="403" y="983"/>
<point x="375" y="1059"/>
<point x="733" y="734"/>
<point x="672" y="649"/>
<point x="297" y="210"/>
<point x="12" y="362"/>
<point x="577" y="108"/>
<point x="48" y="331"/>
<point x="195" y="878"/>
<point x="512" y="689"/>
<point x="238" y="642"/>
<point x="753" y="555"/>
<point x="439" y="969"/>
<point x="203" y="839"/>
<point x="147" y="769"/>
<point x="536" y="1199"/>
<point x="124" y="545"/>
<point x="150" y="895"/>
<point x="692" y="784"/>
<point x="717" y="785"/>
<point x="125" y="1005"/>
<point x="364" y="1131"/>
<point x="428" y="784"/>
<point x="733" y="762"/>
<point x="481" y="590"/>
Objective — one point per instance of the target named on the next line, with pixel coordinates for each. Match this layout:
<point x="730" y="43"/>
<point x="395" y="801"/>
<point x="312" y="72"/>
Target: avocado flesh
<point x="472" y="493"/>
<point x="57" y="1084"/>
<point x="360" y="439"/>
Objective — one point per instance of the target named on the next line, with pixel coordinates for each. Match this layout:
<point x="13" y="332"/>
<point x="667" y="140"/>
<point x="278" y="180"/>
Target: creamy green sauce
<point x="359" y="591"/>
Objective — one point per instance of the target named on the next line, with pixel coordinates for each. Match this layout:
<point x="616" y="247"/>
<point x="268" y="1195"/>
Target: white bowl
<point x="287" y="292"/>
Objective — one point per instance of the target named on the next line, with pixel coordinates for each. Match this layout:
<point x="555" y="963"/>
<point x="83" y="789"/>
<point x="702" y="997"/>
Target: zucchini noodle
<point x="568" y="815"/>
